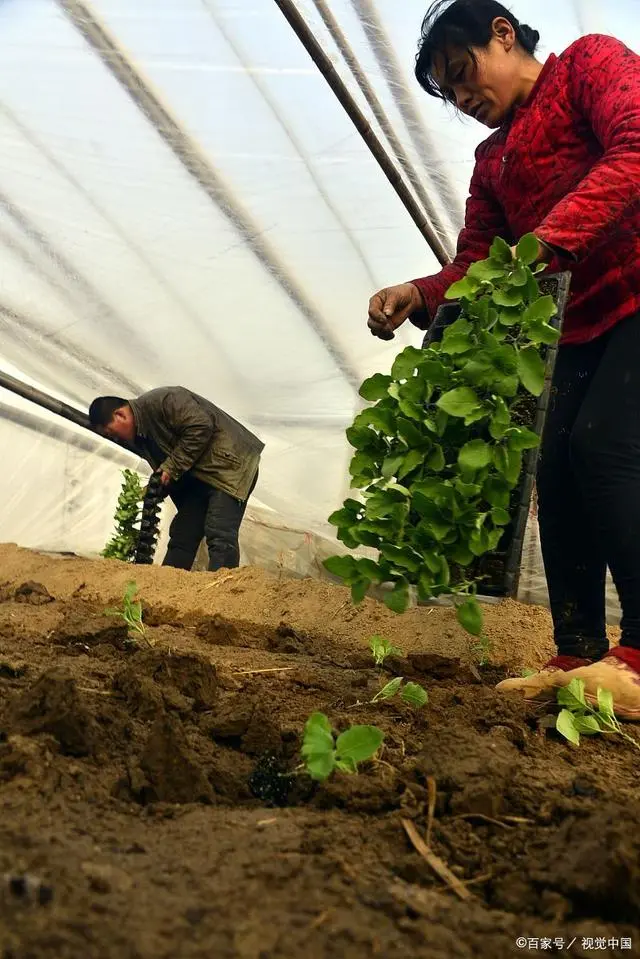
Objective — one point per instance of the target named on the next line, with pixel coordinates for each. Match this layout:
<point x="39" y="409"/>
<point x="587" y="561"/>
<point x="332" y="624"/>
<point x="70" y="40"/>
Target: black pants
<point x="589" y="489"/>
<point x="204" y="511"/>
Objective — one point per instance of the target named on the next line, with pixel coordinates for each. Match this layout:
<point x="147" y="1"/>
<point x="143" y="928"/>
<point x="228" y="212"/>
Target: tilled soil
<point x="148" y="807"/>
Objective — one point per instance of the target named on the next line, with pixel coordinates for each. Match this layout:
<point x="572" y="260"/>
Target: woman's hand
<point x="389" y="308"/>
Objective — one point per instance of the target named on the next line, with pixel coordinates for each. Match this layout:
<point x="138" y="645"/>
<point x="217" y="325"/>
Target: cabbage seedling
<point x="323" y="753"/>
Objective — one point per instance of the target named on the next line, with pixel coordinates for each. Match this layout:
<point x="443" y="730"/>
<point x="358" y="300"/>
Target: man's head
<point x="113" y="417"/>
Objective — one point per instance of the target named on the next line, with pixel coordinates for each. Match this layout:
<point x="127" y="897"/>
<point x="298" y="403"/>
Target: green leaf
<point x="411" y="433"/>
<point x="500" y="420"/>
<point x="341" y="566"/>
<point x="362" y="464"/>
<point x="376" y="387"/>
<point x="543" y="333"/>
<point x="587" y="725"/>
<point x="406" y="363"/>
<point x="572" y="695"/>
<point x="509" y="316"/>
<point x="359" y="590"/>
<point x="392" y="464"/>
<point x="462" y="289"/>
<point x="382" y="648"/>
<point x="528" y="249"/>
<point x="342" y="517"/>
<point x="402" y="556"/>
<point x="398" y="599"/>
<point x="469" y="615"/>
<point x="520" y="276"/>
<point x="541" y="311"/>
<point x="436" y="460"/>
<point x="383" y="420"/>
<point x="459" y="402"/>
<point x="508" y="298"/>
<point x="501" y="251"/>
<point x="360" y="437"/>
<point x="390" y="690"/>
<point x="474" y="455"/>
<point x="318" y="735"/>
<point x="487" y="270"/>
<point x="457" y="338"/>
<point x="320" y="765"/>
<point x="359" y="743"/>
<point x="565" y="725"/>
<point x="415" y="695"/>
<point x="500" y="516"/>
<point x="520" y="439"/>
<point x="370" y="570"/>
<point x="497" y="491"/>
<point x="605" y="704"/>
<point x="531" y="370"/>
<point x="411" y="461"/>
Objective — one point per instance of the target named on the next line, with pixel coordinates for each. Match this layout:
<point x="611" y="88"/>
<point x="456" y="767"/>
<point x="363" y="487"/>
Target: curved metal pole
<point x="357" y="117"/>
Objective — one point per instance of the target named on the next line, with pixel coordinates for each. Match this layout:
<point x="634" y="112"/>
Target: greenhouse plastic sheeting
<point x="227" y="240"/>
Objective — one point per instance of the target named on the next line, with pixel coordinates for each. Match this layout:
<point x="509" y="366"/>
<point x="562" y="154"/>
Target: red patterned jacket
<point x="566" y="167"/>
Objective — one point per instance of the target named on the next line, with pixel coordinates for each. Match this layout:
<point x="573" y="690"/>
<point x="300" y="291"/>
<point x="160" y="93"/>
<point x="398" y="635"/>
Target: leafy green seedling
<point x="381" y="649"/>
<point x="124" y="540"/>
<point x="578" y="717"/>
<point x="322" y="753"/>
<point x="528" y="672"/>
<point x="411" y="693"/>
<point x="440" y="448"/>
<point x="131" y="611"/>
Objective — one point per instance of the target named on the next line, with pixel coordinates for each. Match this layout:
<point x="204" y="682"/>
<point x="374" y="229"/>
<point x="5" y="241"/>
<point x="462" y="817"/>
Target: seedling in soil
<point x="381" y="649"/>
<point x="440" y="449"/>
<point x="131" y="611"/>
<point x="411" y="693"/>
<point x="579" y="717"/>
<point x="323" y="754"/>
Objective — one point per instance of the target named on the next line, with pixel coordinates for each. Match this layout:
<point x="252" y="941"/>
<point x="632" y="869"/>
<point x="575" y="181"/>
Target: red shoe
<point x="619" y="673"/>
<point x="543" y="684"/>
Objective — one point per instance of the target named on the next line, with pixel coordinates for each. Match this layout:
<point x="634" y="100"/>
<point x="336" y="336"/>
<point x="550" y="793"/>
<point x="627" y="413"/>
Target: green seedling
<point x="440" y="448"/>
<point x="323" y="753"/>
<point x="131" y="611"/>
<point x="411" y="693"/>
<point x="578" y="717"/>
<point x="528" y="672"/>
<point x="381" y="649"/>
<point x="122" y="544"/>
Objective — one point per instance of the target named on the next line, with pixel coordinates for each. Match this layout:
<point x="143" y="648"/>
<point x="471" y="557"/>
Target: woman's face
<point x="489" y="88"/>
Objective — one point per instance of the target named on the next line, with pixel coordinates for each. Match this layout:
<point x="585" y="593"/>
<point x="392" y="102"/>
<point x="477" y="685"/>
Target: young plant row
<point x="440" y="451"/>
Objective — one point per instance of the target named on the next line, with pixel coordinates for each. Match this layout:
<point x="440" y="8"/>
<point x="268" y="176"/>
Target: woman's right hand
<point x="389" y="308"/>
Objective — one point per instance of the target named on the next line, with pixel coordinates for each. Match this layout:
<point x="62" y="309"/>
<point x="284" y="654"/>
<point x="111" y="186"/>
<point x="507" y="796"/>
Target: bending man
<point x="207" y="461"/>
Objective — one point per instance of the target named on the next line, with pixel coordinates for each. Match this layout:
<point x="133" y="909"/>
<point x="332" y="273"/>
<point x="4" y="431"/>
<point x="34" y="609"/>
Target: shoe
<point x="543" y="684"/>
<point x="619" y="673"/>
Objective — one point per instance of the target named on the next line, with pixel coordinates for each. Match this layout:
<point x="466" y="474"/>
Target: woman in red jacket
<point x="563" y="163"/>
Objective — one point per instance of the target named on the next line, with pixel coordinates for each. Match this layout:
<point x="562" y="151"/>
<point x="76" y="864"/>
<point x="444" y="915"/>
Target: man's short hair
<point x="102" y="409"/>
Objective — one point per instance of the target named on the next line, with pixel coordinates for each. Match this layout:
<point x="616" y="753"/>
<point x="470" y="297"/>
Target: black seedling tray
<point x="499" y="571"/>
<point x="149" y="521"/>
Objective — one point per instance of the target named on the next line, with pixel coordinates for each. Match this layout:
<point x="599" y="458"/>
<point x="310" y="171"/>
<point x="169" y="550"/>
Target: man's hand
<point x="389" y="308"/>
<point x="165" y="479"/>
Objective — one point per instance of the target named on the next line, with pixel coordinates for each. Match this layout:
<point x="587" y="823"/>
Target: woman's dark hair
<point x="462" y="25"/>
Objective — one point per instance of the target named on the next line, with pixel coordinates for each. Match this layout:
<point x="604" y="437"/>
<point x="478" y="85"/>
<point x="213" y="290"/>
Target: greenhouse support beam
<point x="382" y="49"/>
<point x="383" y="121"/>
<point x="302" y="30"/>
<point x="198" y="165"/>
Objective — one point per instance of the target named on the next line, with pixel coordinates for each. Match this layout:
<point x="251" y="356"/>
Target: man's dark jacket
<point x="178" y="431"/>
